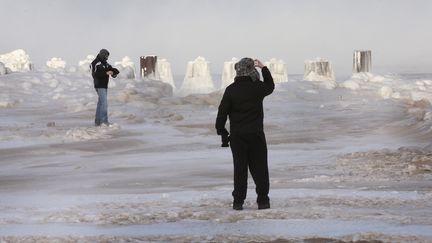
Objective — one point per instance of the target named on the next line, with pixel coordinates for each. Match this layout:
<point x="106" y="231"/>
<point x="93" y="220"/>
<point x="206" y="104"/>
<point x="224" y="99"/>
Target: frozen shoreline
<point x="349" y="161"/>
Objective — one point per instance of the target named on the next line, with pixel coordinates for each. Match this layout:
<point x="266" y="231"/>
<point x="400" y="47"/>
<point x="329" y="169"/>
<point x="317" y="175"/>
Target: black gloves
<point x="225" y="140"/>
<point x="225" y="137"/>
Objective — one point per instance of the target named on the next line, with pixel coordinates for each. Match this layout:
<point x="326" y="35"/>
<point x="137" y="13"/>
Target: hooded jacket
<point x="242" y="102"/>
<point x="99" y="67"/>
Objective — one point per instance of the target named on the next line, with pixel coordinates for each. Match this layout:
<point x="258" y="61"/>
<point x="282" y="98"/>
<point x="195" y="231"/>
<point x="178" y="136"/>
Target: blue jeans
<point x="102" y="106"/>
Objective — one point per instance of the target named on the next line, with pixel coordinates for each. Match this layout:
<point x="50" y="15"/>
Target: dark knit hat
<point x="104" y="54"/>
<point x="246" y="67"/>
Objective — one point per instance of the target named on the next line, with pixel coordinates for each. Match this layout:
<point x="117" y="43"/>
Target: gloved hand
<point x="225" y="140"/>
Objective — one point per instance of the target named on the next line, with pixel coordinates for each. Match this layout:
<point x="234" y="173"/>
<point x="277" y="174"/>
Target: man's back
<point x="242" y="102"/>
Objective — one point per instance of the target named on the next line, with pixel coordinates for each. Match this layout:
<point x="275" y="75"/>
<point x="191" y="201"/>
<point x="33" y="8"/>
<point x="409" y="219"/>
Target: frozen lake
<point x="345" y="163"/>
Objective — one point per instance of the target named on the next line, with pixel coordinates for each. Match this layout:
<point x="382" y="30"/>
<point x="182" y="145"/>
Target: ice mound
<point x="198" y="79"/>
<point x="2" y="69"/>
<point x="7" y="103"/>
<point x="16" y="61"/>
<point x="351" y="84"/>
<point x="212" y="99"/>
<point x="164" y="73"/>
<point x="126" y="68"/>
<point x="386" y="92"/>
<point x="84" y="65"/>
<point x="318" y="69"/>
<point x="229" y="72"/>
<point x="278" y="69"/>
<point x="368" y="77"/>
<point x="386" y="165"/>
<point x="146" y="93"/>
<point x="56" y="64"/>
<point x="90" y="133"/>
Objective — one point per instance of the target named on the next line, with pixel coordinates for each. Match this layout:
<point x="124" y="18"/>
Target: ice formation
<point x="126" y="68"/>
<point x="16" y="61"/>
<point x="2" y="69"/>
<point x="386" y="92"/>
<point x="278" y="69"/>
<point x="362" y="61"/>
<point x="229" y="72"/>
<point x="163" y="72"/>
<point x="84" y="65"/>
<point x="318" y="69"/>
<point x="148" y="66"/>
<point x="56" y="63"/>
<point x="197" y="79"/>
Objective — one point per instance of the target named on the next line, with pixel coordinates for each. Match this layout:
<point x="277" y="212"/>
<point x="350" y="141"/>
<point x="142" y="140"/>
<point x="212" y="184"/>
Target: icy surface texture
<point x="16" y="61"/>
<point x="278" y="69"/>
<point x="362" y="61"/>
<point x="318" y="69"/>
<point x="197" y="79"/>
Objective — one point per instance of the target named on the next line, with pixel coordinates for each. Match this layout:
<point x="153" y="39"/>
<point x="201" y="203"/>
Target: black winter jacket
<point x="99" y="68"/>
<point x="243" y="103"/>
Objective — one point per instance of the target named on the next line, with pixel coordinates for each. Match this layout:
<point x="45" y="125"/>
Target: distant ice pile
<point x="197" y="79"/>
<point x="390" y="86"/>
<point x="16" y="61"/>
<point x="126" y="67"/>
<point x="318" y="69"/>
<point x="163" y="72"/>
<point x="278" y="69"/>
<point x="84" y="65"/>
<point x="229" y="72"/>
<point x="56" y="64"/>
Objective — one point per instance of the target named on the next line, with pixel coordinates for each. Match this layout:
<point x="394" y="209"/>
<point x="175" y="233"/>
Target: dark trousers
<point x="250" y="151"/>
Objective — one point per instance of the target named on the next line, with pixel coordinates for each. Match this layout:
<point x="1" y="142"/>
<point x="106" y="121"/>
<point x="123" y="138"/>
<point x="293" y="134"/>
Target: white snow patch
<point x="16" y="61"/>
<point x="56" y="64"/>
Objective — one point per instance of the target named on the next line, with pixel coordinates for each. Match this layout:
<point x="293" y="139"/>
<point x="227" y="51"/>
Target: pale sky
<point x="399" y="32"/>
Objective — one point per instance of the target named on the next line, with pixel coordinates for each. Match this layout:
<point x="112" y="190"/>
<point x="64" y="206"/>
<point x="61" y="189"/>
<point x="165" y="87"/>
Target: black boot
<point x="238" y="206"/>
<point x="265" y="205"/>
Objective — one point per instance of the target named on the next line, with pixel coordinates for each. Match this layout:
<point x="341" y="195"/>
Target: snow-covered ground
<point x="347" y="163"/>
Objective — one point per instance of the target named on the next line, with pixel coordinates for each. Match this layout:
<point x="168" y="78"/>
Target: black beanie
<point x="104" y="53"/>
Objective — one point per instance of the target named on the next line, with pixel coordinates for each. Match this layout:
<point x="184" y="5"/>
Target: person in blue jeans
<point x="101" y="71"/>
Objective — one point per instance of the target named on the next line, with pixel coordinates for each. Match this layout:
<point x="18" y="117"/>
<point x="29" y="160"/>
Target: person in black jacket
<point x="101" y="70"/>
<point x="242" y="102"/>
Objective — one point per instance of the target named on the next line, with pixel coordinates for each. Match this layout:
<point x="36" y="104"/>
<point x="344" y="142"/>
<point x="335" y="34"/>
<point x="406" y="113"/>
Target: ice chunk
<point x="278" y="69"/>
<point x="163" y="72"/>
<point x="318" y="69"/>
<point x="84" y="65"/>
<point x="17" y="61"/>
<point x="351" y="84"/>
<point x="228" y="73"/>
<point x="386" y="92"/>
<point x="126" y="68"/>
<point x="56" y="64"/>
<point x="362" y="61"/>
<point x="197" y="79"/>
